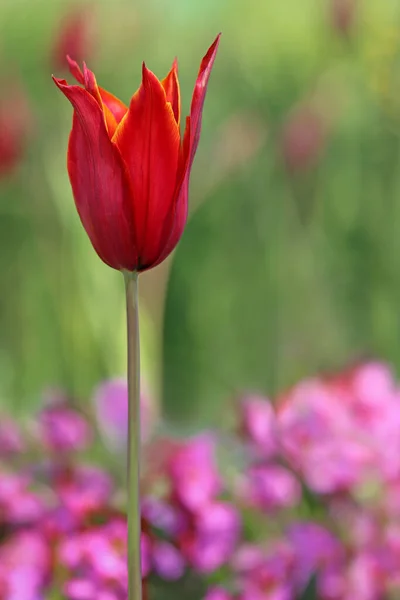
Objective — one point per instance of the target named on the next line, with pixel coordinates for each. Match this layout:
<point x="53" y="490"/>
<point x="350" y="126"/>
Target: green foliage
<point x="277" y="275"/>
<point x="310" y="593"/>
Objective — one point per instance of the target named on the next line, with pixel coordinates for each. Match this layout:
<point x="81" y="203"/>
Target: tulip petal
<point x="175" y="224"/>
<point x="93" y="89"/>
<point x="189" y="147"/>
<point x="199" y="95"/>
<point x="172" y="91"/>
<point x="110" y="103"/>
<point x="114" y="104"/>
<point x="148" y="141"/>
<point x="99" y="183"/>
<point x="75" y="70"/>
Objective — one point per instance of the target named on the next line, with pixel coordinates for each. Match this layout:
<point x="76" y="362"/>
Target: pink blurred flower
<point x="24" y="566"/>
<point x="217" y="593"/>
<point x="258" y="424"/>
<point x="62" y="428"/>
<point x="95" y="560"/>
<point x="193" y="472"/>
<point x="270" y="487"/>
<point x="82" y="489"/>
<point x="74" y="37"/>
<point x="252" y="591"/>
<point x="80" y="589"/>
<point x="363" y="580"/>
<point x="319" y="438"/>
<point x="18" y="504"/>
<point x="111" y="409"/>
<point x="214" y="537"/>
<point x="374" y="401"/>
<point x="247" y="559"/>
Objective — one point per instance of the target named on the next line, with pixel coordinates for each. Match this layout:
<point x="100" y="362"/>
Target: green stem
<point x="134" y="519"/>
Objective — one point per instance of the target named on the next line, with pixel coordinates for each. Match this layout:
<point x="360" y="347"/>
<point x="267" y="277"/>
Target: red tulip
<point x="129" y="168"/>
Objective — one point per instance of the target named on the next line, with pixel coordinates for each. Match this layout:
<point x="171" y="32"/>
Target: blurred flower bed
<point x="297" y="498"/>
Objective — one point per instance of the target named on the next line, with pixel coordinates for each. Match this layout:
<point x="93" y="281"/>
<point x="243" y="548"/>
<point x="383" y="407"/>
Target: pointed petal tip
<point x="214" y="46"/>
<point x="150" y="79"/>
<point x="60" y="83"/>
<point x="208" y="60"/>
<point x="86" y="74"/>
<point x="75" y="70"/>
<point x="145" y="72"/>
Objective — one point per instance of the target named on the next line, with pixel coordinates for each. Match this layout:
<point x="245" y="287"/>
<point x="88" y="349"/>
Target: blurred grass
<point x="277" y="275"/>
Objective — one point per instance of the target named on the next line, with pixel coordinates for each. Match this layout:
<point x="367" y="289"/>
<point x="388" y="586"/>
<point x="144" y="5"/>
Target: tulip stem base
<point x="134" y="516"/>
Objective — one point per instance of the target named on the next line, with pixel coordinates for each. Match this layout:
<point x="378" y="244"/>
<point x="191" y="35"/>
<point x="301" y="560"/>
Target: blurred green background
<point x="290" y="262"/>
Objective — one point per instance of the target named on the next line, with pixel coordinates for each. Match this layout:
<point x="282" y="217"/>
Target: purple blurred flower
<point x="257" y="419"/>
<point x="270" y="487"/>
<point x="316" y="550"/>
<point x="62" y="428"/>
<point x="194" y="476"/>
<point x="273" y="577"/>
<point x="110" y="401"/>
<point x="83" y="489"/>
<point x="168" y="562"/>
<point x="215" y="537"/>
<point x="170" y="519"/>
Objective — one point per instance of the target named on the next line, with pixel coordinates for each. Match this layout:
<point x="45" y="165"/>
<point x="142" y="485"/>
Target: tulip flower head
<point x="129" y="168"/>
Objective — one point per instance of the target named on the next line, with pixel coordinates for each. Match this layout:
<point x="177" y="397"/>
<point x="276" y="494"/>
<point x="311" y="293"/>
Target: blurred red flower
<point x="15" y="125"/>
<point x="343" y="15"/>
<point x="129" y="168"/>
<point x="303" y="138"/>
<point x="74" y="37"/>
